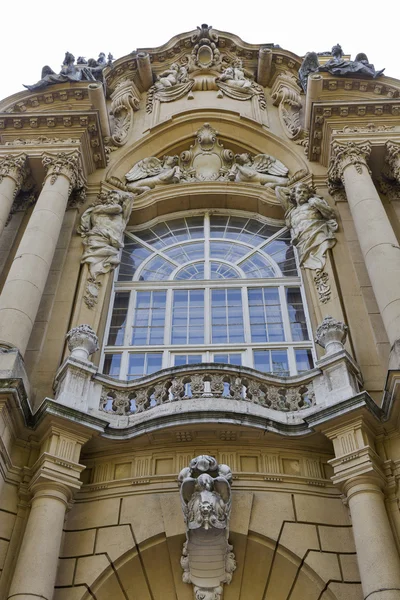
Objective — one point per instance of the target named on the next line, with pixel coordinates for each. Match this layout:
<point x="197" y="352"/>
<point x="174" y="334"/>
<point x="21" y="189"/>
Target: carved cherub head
<point x="243" y="159"/>
<point x="170" y="161"/>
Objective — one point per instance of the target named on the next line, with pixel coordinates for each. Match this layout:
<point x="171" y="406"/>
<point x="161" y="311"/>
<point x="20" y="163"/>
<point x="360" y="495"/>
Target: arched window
<point x="208" y="288"/>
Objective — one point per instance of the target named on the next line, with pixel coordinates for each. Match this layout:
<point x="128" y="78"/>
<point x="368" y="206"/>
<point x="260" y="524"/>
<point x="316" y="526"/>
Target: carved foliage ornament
<point x="15" y="167"/>
<point x="102" y="227"/>
<point x="345" y="154"/>
<point x="68" y="164"/>
<point x="392" y="159"/>
<point x="205" y="490"/>
<point x="331" y="335"/>
<point x="124" y="101"/>
<point x="285" y="94"/>
<point x="82" y="341"/>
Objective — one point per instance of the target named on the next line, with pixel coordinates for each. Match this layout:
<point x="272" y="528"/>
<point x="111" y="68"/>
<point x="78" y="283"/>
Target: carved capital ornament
<point x="69" y="165"/>
<point x="344" y="154"/>
<point x="15" y="167"/>
<point x="392" y="159"/>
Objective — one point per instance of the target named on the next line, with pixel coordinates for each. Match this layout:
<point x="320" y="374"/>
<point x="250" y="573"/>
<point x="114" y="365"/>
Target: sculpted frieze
<point x="236" y="84"/>
<point x="170" y="85"/>
<point x="312" y="223"/>
<point x="205" y="490"/>
<point x="206" y="160"/>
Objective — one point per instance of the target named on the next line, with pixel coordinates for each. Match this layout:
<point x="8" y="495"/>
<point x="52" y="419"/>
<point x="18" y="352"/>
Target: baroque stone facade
<point x="200" y="327"/>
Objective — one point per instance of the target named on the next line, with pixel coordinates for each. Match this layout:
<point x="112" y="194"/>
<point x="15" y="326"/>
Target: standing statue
<point x="102" y="228"/>
<point x="312" y="223"/>
<point x="261" y="168"/>
<point x="152" y="171"/>
<point x="205" y="489"/>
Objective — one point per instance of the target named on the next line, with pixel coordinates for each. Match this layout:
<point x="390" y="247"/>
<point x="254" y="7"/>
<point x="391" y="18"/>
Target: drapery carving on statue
<point x="170" y="85"/>
<point x="312" y="223"/>
<point x="205" y="490"/>
<point x="102" y="227"/>
<point x="206" y="160"/>
<point x="235" y="83"/>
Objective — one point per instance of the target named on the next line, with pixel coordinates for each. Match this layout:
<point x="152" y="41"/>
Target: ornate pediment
<point x="205" y="160"/>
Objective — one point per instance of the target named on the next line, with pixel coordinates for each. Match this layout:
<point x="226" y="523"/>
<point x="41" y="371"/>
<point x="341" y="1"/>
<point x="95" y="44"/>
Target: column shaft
<point x="24" y="286"/>
<point x="377" y="555"/>
<point x="36" y="568"/>
<point x="378" y="244"/>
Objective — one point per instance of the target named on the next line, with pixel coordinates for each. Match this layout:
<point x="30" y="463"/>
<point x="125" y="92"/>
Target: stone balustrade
<point x="209" y="381"/>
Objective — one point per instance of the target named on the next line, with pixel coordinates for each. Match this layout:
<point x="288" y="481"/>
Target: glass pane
<point x="227" y="316"/>
<point x="280" y="365"/>
<point x="229" y="251"/>
<point x="186" y="253"/>
<point x="149" y="318"/>
<point x="187" y="359"/>
<point x="132" y="256"/>
<point x="112" y="365"/>
<point x="262" y="360"/>
<point x="265" y="315"/>
<point x="118" y="320"/>
<point x="222" y="271"/>
<point x="158" y="269"/>
<point x="281" y="251"/>
<point x="145" y="363"/>
<point x="297" y="316"/>
<point x="188" y="317"/>
<point x="257" y="265"/>
<point x="195" y="271"/>
<point x="228" y="359"/>
<point x="304" y="360"/>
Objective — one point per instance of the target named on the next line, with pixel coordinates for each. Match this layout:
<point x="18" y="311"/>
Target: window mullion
<point x="129" y="318"/>
<point x="285" y="314"/>
<point x="292" y="361"/>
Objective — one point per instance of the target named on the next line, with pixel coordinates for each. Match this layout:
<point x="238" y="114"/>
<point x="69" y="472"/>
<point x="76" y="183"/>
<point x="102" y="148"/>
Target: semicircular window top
<point x="208" y="288"/>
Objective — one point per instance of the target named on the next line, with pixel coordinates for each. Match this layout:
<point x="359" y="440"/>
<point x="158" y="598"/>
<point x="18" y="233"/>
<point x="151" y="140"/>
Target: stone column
<point x="56" y="477"/>
<point x="378" y="242"/>
<point x="358" y="473"/>
<point x="13" y="170"/>
<point x="23" y="289"/>
<point x="36" y="569"/>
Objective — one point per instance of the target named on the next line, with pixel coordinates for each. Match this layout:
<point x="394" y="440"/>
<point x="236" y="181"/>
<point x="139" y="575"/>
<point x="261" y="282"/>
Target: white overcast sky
<point x="36" y="33"/>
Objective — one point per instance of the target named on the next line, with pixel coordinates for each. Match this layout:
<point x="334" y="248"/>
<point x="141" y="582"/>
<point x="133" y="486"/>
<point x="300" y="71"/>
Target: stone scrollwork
<point x="322" y="286"/>
<point x="124" y="101"/>
<point x="68" y="164"/>
<point x="102" y="227"/>
<point x="205" y="160"/>
<point x="312" y="223"/>
<point x="234" y="83"/>
<point x="205" y="490"/>
<point x="285" y="95"/>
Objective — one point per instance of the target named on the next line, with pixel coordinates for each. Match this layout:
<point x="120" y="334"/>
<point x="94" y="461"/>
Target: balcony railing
<point x="196" y="382"/>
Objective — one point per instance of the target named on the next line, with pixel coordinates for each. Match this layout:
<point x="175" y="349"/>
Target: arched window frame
<point x="208" y="351"/>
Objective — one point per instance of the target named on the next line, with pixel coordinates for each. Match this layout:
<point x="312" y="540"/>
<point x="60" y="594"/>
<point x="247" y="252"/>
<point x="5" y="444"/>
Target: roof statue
<point x="360" y="67"/>
<point x="84" y="70"/>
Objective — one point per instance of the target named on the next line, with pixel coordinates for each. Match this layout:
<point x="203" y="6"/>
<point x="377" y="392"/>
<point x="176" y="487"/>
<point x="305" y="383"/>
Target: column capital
<point x="344" y="154"/>
<point x="14" y="166"/>
<point x="392" y="159"/>
<point x="68" y="164"/>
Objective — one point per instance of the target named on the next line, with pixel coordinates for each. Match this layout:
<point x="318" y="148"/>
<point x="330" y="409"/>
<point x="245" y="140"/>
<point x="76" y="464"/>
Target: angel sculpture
<point x="262" y="168"/>
<point x="152" y="171"/>
<point x="312" y="223"/>
<point x="172" y="76"/>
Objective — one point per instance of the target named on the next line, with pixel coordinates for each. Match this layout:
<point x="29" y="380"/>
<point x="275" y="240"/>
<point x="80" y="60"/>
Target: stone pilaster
<point x="23" y="289"/>
<point x="13" y="171"/>
<point x="54" y="481"/>
<point x="377" y="240"/>
<point x="358" y="472"/>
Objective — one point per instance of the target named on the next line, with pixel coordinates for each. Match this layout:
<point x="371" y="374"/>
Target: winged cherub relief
<point x="152" y="171"/>
<point x="261" y="168"/>
<point x="312" y="223"/>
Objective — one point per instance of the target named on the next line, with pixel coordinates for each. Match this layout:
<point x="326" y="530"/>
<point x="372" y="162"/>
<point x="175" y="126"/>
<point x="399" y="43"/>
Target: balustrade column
<point x="377" y="240"/>
<point x="13" y="170"/>
<point x="23" y="289"/>
<point x="36" y="568"/>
